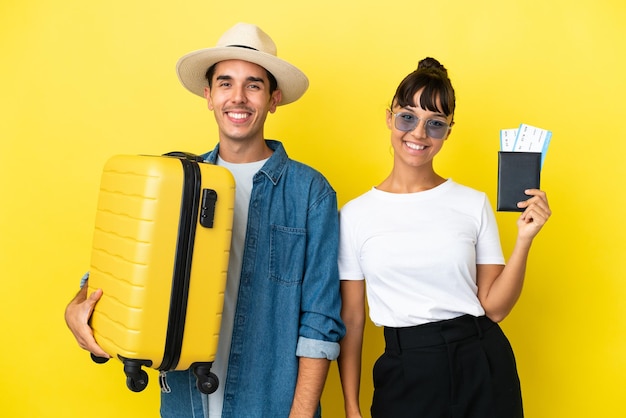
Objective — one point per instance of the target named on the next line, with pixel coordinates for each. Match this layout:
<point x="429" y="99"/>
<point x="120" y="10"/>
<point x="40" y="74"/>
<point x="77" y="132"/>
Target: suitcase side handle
<point x="184" y="155"/>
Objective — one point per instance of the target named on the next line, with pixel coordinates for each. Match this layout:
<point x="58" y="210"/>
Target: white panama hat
<point x="248" y="43"/>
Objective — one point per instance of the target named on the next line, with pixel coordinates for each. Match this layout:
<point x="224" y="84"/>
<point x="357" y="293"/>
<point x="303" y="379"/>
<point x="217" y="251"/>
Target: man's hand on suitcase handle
<point x="77" y="316"/>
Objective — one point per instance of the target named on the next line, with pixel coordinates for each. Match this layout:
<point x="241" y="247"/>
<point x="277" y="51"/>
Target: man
<point x="281" y="322"/>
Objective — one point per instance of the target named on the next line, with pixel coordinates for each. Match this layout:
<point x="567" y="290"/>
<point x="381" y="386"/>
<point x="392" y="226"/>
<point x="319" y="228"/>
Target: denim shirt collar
<point x="273" y="168"/>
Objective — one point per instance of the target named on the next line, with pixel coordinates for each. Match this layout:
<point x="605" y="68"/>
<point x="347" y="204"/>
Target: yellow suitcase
<point x="160" y="253"/>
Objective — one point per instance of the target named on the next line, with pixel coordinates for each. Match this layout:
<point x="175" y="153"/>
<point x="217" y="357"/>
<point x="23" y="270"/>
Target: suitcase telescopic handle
<point x="184" y="155"/>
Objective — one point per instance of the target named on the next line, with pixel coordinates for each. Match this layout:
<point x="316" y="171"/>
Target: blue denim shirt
<point x="288" y="304"/>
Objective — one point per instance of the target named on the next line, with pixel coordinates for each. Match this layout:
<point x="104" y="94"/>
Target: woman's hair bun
<point x="431" y="63"/>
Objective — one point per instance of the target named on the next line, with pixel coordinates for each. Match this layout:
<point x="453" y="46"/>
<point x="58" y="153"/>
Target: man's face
<point x="240" y="99"/>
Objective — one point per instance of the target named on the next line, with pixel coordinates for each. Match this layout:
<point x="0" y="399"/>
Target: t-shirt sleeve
<point x="348" y="260"/>
<point x="488" y="248"/>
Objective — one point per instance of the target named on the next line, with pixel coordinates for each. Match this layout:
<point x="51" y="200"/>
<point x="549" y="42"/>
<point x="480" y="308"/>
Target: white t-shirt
<point x="418" y="252"/>
<point x="243" y="174"/>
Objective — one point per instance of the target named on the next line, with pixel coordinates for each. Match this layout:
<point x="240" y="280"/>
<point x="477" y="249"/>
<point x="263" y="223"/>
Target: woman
<point x="430" y="253"/>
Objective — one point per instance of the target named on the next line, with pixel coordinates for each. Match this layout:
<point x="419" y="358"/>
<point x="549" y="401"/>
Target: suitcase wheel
<point x="99" y="360"/>
<point x="207" y="384"/>
<point x="206" y="381"/>
<point x="137" y="382"/>
<point x="136" y="378"/>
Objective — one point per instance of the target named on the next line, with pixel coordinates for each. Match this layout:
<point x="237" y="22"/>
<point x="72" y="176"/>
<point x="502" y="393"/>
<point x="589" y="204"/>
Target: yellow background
<point x="81" y="81"/>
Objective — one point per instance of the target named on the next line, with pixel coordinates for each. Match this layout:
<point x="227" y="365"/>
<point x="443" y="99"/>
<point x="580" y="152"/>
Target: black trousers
<point x="458" y="368"/>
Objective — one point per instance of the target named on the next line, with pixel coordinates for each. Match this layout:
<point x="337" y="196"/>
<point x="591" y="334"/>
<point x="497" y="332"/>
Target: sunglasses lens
<point x="436" y="129"/>
<point x="405" y="122"/>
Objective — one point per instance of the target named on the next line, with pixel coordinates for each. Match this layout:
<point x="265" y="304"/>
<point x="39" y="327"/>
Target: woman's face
<point x="418" y="146"/>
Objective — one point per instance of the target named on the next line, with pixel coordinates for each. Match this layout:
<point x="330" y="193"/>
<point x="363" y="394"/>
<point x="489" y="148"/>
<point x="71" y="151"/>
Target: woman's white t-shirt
<point x="418" y="252"/>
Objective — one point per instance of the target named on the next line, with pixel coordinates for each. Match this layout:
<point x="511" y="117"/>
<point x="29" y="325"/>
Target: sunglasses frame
<point x="428" y="125"/>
